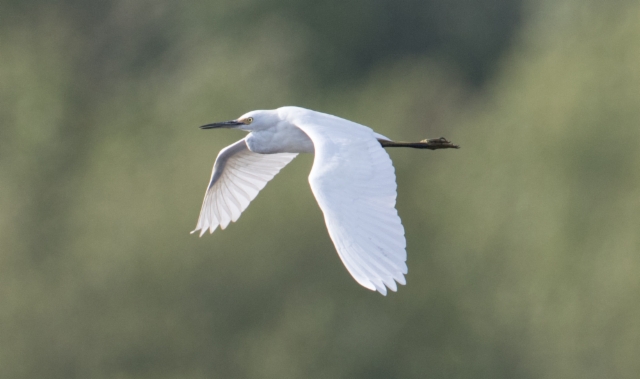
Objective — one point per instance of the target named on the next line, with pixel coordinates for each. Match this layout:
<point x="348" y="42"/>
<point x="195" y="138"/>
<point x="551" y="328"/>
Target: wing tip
<point x="382" y="289"/>
<point x="195" y="230"/>
<point x="202" y="231"/>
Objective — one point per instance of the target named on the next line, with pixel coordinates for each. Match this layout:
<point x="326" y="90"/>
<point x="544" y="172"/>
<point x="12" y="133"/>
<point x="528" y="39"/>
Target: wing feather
<point x="237" y="177"/>
<point x="353" y="181"/>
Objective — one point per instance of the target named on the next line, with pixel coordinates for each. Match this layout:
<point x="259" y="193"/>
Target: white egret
<point x="352" y="179"/>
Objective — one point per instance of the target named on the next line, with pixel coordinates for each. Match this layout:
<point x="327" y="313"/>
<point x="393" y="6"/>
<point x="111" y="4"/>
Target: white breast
<point x="284" y="138"/>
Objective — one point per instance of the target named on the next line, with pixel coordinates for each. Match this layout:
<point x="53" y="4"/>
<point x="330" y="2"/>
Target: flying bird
<point x="352" y="179"/>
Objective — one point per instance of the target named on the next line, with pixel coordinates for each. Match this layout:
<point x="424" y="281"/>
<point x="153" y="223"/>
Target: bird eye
<point x="248" y="120"/>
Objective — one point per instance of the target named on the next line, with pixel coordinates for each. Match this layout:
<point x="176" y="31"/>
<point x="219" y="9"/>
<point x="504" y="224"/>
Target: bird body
<point x="352" y="179"/>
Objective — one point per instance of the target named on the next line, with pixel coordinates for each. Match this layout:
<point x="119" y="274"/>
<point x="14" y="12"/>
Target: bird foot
<point x="438" y="143"/>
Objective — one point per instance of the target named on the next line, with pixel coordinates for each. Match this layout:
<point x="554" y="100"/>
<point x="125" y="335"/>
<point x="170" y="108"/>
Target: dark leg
<point x="431" y="144"/>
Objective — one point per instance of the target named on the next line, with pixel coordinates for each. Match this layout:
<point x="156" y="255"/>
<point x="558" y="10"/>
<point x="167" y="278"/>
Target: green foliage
<point x="523" y="245"/>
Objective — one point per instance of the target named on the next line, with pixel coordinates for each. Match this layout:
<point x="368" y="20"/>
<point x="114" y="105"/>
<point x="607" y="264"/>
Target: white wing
<point x="354" y="183"/>
<point x="238" y="175"/>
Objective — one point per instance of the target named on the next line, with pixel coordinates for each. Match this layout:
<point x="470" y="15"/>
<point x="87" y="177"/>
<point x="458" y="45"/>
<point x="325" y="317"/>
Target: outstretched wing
<point x="354" y="183"/>
<point x="238" y="175"/>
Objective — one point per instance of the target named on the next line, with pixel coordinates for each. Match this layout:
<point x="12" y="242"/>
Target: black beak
<point x="225" y="124"/>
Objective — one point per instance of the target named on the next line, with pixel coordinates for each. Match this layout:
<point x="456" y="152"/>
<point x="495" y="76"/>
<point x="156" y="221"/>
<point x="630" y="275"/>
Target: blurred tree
<point x="349" y="38"/>
<point x="523" y="245"/>
<point x="344" y="40"/>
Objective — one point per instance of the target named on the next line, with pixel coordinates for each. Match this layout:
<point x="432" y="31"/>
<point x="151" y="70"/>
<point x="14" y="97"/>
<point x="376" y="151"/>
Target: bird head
<point x="254" y="120"/>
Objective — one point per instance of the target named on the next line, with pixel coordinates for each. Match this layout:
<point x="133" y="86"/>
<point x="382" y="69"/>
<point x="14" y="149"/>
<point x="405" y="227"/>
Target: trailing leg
<point x="431" y="144"/>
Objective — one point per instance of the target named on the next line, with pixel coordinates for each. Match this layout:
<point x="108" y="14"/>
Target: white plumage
<point x="352" y="179"/>
<point x="238" y="175"/>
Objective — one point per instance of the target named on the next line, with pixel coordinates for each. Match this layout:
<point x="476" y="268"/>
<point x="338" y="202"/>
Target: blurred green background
<point x="524" y="247"/>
